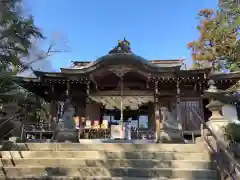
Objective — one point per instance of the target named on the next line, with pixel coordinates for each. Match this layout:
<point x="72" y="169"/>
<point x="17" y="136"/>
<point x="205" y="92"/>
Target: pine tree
<point x="16" y="33"/>
<point x="219" y="37"/>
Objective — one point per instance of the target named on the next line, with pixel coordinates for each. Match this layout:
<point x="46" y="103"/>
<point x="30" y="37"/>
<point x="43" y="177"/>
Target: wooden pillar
<point x="81" y="106"/>
<point x="151" y="117"/>
<point x="178" y="101"/>
<point x="157" y="111"/>
<point x="67" y="90"/>
<point x="53" y="104"/>
<point x="87" y="99"/>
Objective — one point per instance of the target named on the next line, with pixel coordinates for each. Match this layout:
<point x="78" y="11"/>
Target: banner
<point x="117" y="132"/>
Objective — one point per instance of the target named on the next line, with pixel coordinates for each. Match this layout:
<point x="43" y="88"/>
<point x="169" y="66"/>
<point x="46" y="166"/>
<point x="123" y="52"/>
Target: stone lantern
<point x="216" y="122"/>
<point x="215" y="107"/>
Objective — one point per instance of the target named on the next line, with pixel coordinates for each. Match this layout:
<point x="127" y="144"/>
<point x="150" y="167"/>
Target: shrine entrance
<point x="122" y="110"/>
<point x="139" y="118"/>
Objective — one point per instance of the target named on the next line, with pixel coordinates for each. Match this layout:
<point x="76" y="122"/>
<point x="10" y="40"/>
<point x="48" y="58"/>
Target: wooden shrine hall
<point x="121" y="86"/>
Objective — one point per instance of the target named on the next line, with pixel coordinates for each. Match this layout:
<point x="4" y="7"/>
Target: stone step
<point x="110" y="172"/>
<point x="103" y="147"/>
<point x="94" y="155"/>
<point x="116" y="163"/>
<point x="94" y="178"/>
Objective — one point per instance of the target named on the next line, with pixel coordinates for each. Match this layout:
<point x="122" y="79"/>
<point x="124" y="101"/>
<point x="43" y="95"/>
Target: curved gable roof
<point x="121" y="55"/>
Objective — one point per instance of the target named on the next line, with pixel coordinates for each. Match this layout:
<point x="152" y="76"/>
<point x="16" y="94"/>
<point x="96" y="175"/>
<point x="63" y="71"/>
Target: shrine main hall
<point x="122" y="85"/>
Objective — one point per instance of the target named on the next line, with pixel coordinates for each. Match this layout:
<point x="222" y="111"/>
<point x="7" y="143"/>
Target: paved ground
<point x="117" y="141"/>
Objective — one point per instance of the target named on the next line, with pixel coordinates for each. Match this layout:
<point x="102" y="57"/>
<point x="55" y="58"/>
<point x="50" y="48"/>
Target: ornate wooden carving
<point x="143" y="73"/>
<point x="119" y="70"/>
<point x="131" y="102"/>
<point x="122" y="47"/>
<point x="127" y="92"/>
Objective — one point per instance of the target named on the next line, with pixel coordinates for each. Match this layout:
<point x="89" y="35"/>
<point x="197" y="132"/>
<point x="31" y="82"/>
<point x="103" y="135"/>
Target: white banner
<point x="117" y="132"/>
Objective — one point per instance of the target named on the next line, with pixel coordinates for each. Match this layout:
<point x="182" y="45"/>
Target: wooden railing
<point x="228" y="167"/>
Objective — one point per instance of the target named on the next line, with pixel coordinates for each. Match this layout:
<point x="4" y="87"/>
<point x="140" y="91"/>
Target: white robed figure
<point x="128" y="129"/>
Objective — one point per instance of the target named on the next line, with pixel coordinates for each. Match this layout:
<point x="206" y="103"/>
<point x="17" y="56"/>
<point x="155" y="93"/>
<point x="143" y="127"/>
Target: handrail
<point x="12" y="130"/>
<point x="220" y="152"/>
<point x="9" y="132"/>
<point x="11" y="118"/>
<point x="191" y="119"/>
<point x="195" y="125"/>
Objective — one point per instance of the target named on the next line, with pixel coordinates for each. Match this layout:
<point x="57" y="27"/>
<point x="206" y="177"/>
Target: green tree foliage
<point x="16" y="33"/>
<point x="219" y="37"/>
<point x="18" y="52"/>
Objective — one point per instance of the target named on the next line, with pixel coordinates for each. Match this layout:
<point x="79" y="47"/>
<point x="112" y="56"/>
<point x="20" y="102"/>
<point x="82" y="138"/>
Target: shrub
<point x="232" y="132"/>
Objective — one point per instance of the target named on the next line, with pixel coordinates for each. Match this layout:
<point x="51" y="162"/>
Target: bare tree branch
<point x="37" y="55"/>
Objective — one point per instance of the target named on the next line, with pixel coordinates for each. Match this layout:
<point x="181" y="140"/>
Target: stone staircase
<point x="106" y="161"/>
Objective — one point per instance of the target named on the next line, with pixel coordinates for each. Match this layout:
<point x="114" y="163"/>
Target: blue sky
<point x="157" y="29"/>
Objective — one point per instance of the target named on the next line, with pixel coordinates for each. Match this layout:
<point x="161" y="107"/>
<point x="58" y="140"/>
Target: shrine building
<point x="122" y="85"/>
